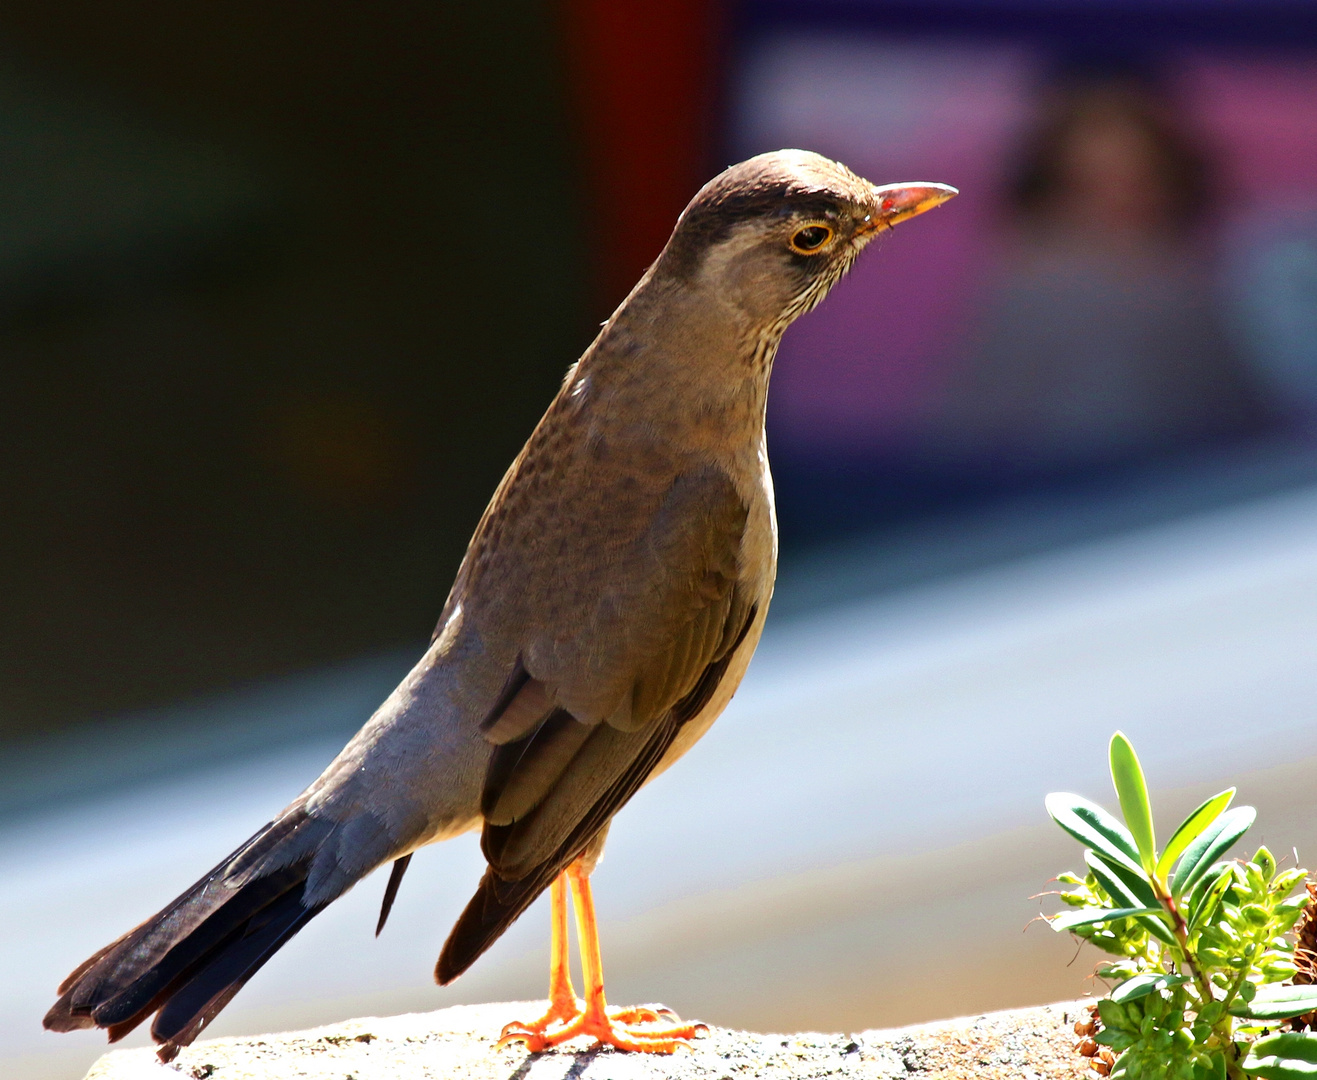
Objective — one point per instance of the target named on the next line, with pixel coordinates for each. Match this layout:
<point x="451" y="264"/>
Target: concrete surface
<point x="456" y="1044"/>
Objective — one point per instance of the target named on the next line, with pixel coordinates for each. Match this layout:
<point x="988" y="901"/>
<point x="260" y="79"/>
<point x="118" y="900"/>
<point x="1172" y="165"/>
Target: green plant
<point x="1200" y="946"/>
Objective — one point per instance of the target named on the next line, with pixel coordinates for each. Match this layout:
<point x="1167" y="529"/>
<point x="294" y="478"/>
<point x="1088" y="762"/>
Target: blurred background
<point x="283" y="289"/>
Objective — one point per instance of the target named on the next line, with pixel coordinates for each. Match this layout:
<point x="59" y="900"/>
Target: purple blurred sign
<point x="862" y="378"/>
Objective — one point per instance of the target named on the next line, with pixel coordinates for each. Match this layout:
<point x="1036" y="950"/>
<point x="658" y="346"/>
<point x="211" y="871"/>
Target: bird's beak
<point x="897" y="202"/>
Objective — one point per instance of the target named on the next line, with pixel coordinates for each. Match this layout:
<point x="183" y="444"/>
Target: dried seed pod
<point x="1088" y="1048"/>
<point x="1305" y="955"/>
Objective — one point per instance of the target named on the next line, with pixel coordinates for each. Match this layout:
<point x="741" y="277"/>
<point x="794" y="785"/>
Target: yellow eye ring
<point x="811" y="239"/>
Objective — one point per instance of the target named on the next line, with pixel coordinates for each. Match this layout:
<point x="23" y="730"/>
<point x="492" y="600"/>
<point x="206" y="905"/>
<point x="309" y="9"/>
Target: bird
<point x="603" y="615"/>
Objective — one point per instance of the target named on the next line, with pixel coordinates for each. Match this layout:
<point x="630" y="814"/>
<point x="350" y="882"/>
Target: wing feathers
<point x="498" y="902"/>
<point x="514" y="847"/>
<point x="521" y="774"/>
<point x="513" y="879"/>
<point x="523" y="704"/>
<point x="391" y="890"/>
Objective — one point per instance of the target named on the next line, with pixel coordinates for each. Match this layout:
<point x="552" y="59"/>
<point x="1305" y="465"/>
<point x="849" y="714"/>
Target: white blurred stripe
<point x="867" y="735"/>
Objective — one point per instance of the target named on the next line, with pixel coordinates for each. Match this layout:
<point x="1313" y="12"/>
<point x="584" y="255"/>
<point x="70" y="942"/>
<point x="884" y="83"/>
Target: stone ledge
<point x="455" y="1044"/>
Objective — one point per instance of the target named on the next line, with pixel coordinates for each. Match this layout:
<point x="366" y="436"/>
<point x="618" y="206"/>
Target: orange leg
<point x="564" y="1006"/>
<point x="625" y="1029"/>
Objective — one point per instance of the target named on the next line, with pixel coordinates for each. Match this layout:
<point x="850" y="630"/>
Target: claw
<point x="534" y="1041"/>
<point x="635" y="1029"/>
<point x="643" y="1014"/>
<point x="562" y="1011"/>
<point x="609" y="1030"/>
<point x="653" y="1029"/>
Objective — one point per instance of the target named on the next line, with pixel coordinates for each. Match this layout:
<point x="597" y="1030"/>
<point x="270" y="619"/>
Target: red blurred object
<point x="642" y="87"/>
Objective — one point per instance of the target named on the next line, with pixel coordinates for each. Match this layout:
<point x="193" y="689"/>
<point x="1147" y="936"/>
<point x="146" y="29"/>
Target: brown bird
<point x="602" y="618"/>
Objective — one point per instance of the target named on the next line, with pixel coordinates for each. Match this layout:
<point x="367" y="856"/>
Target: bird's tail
<point x="186" y="962"/>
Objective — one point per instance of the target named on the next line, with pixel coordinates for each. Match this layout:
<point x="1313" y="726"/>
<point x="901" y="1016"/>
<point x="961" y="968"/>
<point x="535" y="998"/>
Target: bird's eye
<point x="808" y="240"/>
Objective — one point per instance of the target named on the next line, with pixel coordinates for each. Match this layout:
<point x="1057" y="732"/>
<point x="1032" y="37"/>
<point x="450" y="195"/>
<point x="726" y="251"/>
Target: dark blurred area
<point x="282" y="290"/>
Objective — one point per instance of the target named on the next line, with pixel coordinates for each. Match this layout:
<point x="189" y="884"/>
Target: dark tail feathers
<point x="187" y="962"/>
<point x="491" y="911"/>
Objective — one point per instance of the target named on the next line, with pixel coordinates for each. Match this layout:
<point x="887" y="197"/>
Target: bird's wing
<point x="667" y="636"/>
<point x="624" y="761"/>
<point x="669" y="608"/>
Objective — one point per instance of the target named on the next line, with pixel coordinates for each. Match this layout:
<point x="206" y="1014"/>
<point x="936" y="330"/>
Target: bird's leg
<point x="564" y="1005"/>
<point x="625" y="1029"/>
<point x="608" y="1026"/>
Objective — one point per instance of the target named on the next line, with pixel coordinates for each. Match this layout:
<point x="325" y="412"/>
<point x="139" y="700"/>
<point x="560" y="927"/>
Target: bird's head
<point x="773" y="234"/>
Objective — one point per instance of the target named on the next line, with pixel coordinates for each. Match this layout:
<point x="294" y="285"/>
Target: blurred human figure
<point x="1272" y="267"/>
<point x="1102" y="341"/>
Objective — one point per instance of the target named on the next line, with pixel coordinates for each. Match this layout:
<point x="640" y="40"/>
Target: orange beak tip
<point x="898" y="202"/>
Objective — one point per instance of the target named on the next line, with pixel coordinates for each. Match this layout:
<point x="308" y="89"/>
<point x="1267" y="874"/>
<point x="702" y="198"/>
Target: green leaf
<point x="1131" y="888"/>
<point x="1123" y="884"/>
<point x="1157" y="928"/>
<point x="1093" y="827"/>
<point x="1068" y="920"/>
<point x="1208" y="892"/>
<point x="1290" y="1055"/>
<point x="1211" y="844"/>
<point x="1190" y="828"/>
<point x="1143" y="985"/>
<point x="1275" y="1002"/>
<point x="1127" y="775"/>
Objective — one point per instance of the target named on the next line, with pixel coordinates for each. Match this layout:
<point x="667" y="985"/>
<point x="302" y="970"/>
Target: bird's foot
<point x="643" y="1014"/>
<point x="562" y="1010"/>
<point x="649" y="1029"/>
